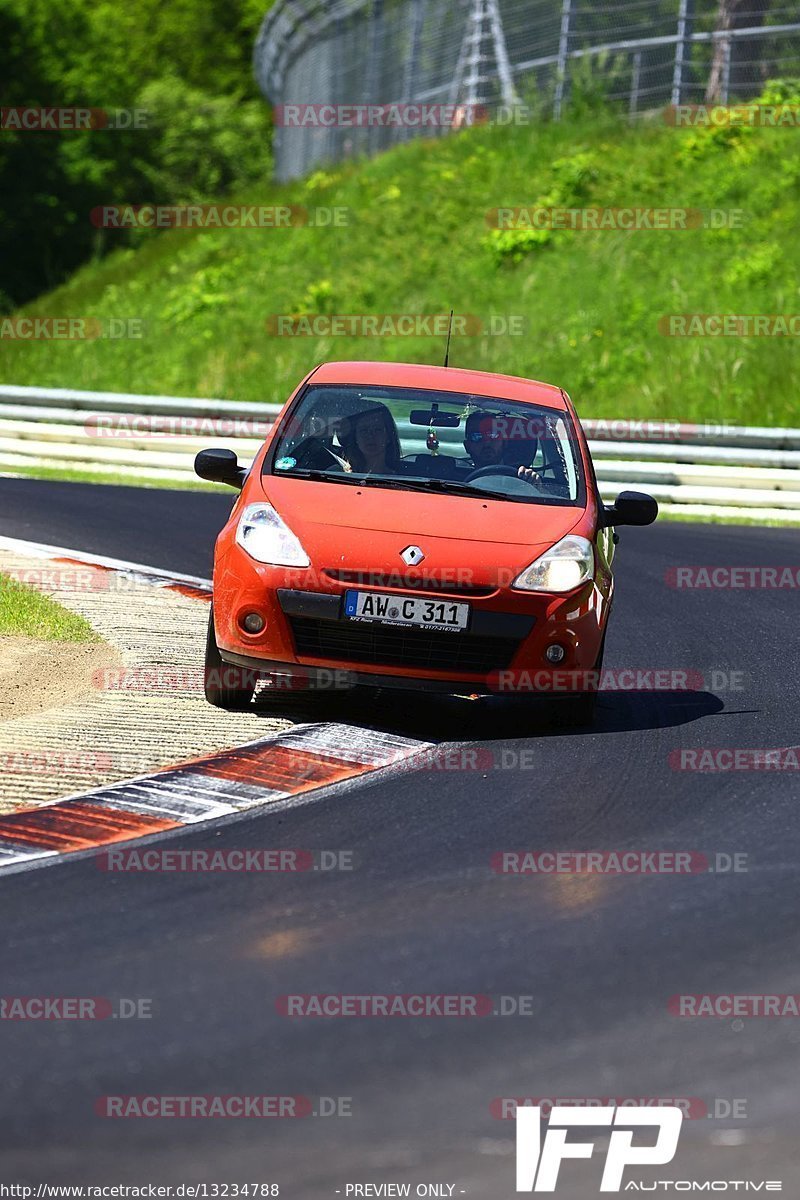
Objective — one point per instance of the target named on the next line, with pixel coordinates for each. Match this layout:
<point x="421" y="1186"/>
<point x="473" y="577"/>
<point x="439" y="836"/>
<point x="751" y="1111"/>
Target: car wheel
<point x="225" y="686"/>
<point x="576" y="712"/>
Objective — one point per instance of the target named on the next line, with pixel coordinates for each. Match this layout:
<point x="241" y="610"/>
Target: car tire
<point x="222" y="682"/>
<point x="577" y="712"/>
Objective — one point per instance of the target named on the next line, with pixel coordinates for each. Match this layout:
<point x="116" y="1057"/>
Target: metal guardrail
<point x="729" y="471"/>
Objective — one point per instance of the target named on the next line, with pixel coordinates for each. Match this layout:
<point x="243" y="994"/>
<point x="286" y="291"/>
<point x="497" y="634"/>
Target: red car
<point x="408" y="526"/>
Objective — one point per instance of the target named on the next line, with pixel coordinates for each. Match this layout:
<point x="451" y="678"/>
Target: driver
<point x="314" y="449"/>
<point x="485" y="442"/>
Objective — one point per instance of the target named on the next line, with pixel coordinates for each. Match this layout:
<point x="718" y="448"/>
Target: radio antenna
<point x="447" y="347"/>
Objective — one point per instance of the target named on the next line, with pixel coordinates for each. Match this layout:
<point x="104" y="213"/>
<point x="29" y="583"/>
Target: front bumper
<point x="295" y="676"/>
<point x="307" y="638"/>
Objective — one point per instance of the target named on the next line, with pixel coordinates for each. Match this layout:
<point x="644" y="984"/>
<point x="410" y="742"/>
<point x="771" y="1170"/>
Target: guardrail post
<point x="374" y="69"/>
<point x="471" y="76"/>
<point x="412" y="61"/>
<point x="563" y="52"/>
<point x="682" y="47"/>
<point x="635" y="78"/>
<point x="507" y="90"/>
<point x="475" y="91"/>
<point x="725" y="81"/>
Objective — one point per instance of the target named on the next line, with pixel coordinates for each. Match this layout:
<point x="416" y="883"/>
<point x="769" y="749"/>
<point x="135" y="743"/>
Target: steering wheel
<point x="493" y="469"/>
<point x="509" y="472"/>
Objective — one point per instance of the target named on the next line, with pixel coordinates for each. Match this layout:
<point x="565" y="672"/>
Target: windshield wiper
<point x="451" y="486"/>
<point x="322" y="476"/>
<point x="425" y="485"/>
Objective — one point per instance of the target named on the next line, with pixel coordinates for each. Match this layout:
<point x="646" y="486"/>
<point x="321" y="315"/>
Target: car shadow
<point x="443" y="718"/>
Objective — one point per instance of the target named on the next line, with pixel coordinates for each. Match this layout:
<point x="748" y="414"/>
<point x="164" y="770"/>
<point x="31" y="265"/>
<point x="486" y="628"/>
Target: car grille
<point x="392" y="645"/>
<point x="418" y="584"/>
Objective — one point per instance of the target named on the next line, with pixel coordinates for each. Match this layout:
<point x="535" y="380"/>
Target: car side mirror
<point x="220" y="466"/>
<point x="630" y="508"/>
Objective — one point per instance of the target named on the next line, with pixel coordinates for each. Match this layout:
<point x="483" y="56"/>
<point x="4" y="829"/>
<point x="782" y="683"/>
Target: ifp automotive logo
<point x="538" y="1164"/>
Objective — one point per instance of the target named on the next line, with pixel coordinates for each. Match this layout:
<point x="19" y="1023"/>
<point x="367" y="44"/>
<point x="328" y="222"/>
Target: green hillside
<point x="417" y="241"/>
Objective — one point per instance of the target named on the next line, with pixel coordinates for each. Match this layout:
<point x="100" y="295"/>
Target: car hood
<point x="341" y="525"/>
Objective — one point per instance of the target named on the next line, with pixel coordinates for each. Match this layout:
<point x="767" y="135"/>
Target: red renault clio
<point x="408" y="526"/>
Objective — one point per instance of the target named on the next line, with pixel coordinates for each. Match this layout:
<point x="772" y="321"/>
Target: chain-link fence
<point x="323" y="63"/>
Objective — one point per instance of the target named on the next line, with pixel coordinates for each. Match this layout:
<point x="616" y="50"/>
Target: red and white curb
<point x="307" y="758"/>
<point x="188" y="585"/>
<point x="274" y="768"/>
<point x="304" y="759"/>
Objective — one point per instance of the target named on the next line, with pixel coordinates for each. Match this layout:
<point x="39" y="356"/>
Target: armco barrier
<point x="728" y="472"/>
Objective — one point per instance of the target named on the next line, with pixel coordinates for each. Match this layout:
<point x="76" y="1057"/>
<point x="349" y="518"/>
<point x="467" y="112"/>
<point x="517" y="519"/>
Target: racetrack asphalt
<point x="422" y="912"/>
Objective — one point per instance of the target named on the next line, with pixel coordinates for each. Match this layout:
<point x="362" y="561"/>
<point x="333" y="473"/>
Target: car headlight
<point x="268" y="539"/>
<point x="561" y="568"/>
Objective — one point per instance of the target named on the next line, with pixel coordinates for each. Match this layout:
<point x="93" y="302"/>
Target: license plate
<point x="442" y="615"/>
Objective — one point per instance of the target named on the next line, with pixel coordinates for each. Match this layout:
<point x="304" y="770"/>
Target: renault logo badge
<point x="412" y="556"/>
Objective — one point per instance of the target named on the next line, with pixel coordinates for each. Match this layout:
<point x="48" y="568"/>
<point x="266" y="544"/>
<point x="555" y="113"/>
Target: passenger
<point x="371" y="442"/>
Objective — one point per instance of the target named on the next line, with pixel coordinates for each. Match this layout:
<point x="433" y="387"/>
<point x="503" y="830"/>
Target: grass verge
<point x="26" y="612"/>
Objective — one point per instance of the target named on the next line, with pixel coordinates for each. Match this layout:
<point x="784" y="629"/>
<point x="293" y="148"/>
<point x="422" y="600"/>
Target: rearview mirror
<point x="220" y="466"/>
<point x="432" y="416"/>
<point x="630" y="508"/>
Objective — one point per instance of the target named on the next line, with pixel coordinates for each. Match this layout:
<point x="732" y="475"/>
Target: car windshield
<point x="420" y="439"/>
